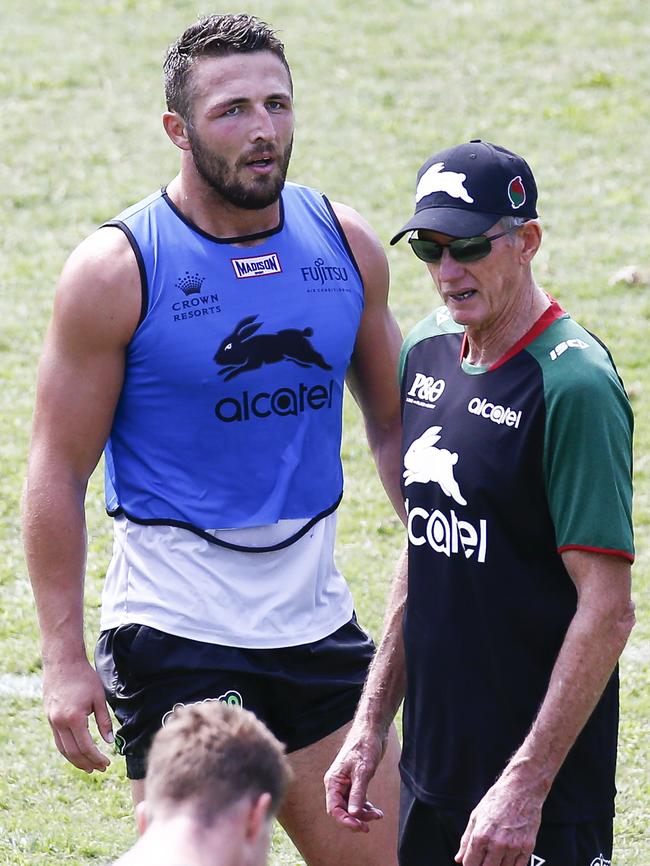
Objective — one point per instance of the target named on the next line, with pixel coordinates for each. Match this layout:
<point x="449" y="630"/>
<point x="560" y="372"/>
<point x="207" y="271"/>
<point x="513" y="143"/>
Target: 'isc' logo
<point x="561" y="348"/>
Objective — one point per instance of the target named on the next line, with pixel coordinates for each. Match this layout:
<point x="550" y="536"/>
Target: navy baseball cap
<point x="464" y="190"/>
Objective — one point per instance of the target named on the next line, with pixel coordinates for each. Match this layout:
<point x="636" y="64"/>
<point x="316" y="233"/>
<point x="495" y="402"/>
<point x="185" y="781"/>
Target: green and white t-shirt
<point x="505" y="468"/>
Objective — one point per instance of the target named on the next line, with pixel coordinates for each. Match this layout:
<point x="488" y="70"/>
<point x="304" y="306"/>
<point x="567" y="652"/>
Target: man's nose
<point x="262" y="128"/>
<point x="449" y="268"/>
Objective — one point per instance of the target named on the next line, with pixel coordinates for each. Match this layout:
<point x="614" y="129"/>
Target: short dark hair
<point x="213" y="36"/>
<point x="211" y="755"/>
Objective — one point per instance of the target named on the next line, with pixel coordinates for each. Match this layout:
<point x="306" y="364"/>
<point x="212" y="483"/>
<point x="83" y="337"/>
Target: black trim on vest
<point x="206" y="536"/>
<point x="236" y="240"/>
<point x="144" y="287"/>
<point x="344" y="238"/>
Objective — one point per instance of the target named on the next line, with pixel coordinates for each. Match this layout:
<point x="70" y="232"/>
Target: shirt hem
<point x="238" y="641"/>
<point x="552" y="815"/>
<point x="625" y="554"/>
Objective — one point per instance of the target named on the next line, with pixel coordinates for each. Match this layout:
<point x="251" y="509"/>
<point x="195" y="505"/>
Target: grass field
<point x="379" y="86"/>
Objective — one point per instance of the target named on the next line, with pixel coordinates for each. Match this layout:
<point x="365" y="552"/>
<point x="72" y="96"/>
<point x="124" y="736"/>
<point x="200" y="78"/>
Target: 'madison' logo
<point x="190" y="284"/>
<point x="425" y="390"/>
<point x="256" y="266"/>
<point x="494" y="412"/>
<point x="283" y="402"/>
<point x="600" y="861"/>
<point x="240" y="351"/>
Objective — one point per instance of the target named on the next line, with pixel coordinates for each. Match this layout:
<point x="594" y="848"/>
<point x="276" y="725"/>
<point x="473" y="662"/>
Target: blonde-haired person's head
<point x="215" y="779"/>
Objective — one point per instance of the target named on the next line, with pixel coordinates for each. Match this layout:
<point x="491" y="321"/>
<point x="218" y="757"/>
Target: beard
<point x="222" y="178"/>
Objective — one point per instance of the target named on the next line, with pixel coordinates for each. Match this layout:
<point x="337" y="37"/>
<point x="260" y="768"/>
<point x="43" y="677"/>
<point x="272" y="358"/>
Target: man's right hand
<point x="71" y="693"/>
<point x="347" y="780"/>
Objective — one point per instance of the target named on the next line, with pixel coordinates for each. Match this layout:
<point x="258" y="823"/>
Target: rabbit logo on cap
<point x="435" y="179"/>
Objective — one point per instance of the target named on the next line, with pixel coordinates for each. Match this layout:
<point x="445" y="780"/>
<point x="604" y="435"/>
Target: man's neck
<point x="486" y="346"/>
<point x="204" y="207"/>
<point x="182" y="841"/>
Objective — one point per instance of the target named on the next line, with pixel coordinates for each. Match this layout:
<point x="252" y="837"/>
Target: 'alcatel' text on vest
<point x="284" y="401"/>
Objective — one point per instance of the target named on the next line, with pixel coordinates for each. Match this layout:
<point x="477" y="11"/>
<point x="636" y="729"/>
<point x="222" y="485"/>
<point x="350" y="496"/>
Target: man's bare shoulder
<point x="356" y="227"/>
<point x="366" y="248"/>
<point x="100" y="285"/>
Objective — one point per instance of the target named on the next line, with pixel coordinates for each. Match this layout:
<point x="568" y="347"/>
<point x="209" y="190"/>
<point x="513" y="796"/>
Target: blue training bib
<point x="230" y="412"/>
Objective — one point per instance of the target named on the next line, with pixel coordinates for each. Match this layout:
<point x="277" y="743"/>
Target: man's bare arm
<point x="503" y="827"/>
<point x="96" y="310"/>
<point x="372" y="377"/>
<point x="346" y="781"/>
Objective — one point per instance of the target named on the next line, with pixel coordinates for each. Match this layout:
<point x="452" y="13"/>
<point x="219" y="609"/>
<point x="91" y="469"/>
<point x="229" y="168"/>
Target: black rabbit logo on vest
<point x="240" y="351"/>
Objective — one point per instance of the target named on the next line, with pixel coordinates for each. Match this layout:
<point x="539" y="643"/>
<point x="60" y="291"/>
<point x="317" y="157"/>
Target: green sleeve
<point x="588" y="450"/>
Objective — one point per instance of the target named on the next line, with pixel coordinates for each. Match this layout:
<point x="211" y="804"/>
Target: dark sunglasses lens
<point x="427" y="251"/>
<point x="470" y="249"/>
<point x="462" y="249"/>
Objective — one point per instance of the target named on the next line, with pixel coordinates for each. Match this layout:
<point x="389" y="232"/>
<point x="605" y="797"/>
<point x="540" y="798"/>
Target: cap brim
<point x="452" y="221"/>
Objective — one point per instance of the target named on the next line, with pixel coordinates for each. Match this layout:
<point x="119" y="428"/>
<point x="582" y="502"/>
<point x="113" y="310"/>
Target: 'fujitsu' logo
<point x="319" y="272"/>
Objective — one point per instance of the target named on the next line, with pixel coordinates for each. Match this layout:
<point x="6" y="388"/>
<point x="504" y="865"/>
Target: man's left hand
<point x="503" y="827"/>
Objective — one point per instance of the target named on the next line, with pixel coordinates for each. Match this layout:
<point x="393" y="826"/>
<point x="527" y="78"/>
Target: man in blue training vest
<point x="201" y="340"/>
<point x="517" y="482"/>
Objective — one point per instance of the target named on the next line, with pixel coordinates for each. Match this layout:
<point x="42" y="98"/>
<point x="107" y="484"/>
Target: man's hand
<point x="347" y="780"/>
<point x="71" y="693"/>
<point x="503" y="827"/>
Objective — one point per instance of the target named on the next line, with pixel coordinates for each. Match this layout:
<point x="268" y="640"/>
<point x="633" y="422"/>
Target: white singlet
<point x="173" y="580"/>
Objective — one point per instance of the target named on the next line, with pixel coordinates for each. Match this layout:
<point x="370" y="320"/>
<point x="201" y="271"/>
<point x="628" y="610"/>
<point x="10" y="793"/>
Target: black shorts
<point x="429" y="836"/>
<point x="303" y="693"/>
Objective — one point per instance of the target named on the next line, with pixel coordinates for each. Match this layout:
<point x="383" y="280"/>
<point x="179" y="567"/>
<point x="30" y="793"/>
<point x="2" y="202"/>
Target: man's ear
<point x="531" y="234"/>
<point x="258" y="816"/>
<point x="141" y="817"/>
<point x="176" y="129"/>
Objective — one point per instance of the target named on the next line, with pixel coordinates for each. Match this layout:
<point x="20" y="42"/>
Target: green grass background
<point x="379" y="86"/>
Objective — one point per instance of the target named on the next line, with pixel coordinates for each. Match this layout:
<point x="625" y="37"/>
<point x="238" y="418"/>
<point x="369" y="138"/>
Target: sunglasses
<point x="462" y="249"/>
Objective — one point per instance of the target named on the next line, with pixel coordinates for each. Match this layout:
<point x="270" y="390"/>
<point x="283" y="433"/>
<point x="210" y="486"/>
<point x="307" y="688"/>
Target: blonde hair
<point x="214" y="755"/>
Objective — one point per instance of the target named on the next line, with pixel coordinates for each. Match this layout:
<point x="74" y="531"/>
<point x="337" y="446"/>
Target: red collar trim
<point x="550" y="315"/>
